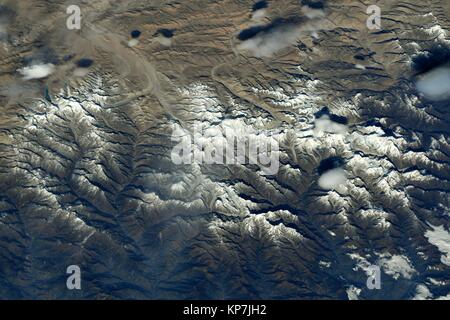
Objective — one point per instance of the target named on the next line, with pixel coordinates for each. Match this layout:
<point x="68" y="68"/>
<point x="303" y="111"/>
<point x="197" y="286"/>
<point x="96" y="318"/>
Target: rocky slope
<point x="86" y="171"/>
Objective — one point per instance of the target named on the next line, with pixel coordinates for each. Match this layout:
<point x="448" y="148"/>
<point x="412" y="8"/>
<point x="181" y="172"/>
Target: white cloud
<point x="325" y="124"/>
<point x="259" y="15"/>
<point x="167" y="42"/>
<point x="81" y="72"/>
<point x="313" y="13"/>
<point x="435" y="84"/>
<point x="37" y="71"/>
<point x="133" y="42"/>
<point x="268" y="43"/>
<point x="333" y="178"/>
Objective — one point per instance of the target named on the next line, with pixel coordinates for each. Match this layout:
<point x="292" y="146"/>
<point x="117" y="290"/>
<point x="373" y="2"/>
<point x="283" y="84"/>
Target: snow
<point x="440" y="237"/>
<point x="353" y="293"/>
<point x="437" y="31"/>
<point x="396" y="266"/>
<point x="422" y="293"/>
